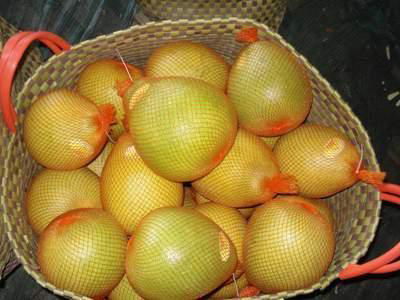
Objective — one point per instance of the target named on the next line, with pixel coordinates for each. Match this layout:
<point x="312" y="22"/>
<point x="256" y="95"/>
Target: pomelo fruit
<point x="83" y="251"/>
<point x="182" y="127"/>
<point x="232" y="223"/>
<point x="54" y="192"/>
<point x="270" y="89"/>
<point x="322" y="159"/>
<point x="130" y="190"/>
<point x="230" y="290"/>
<point x="289" y="245"/>
<point x="188" y="59"/>
<point x="177" y="253"/>
<point x="64" y="130"/>
<point x="124" y="291"/>
<point x="102" y="81"/>
<point x="248" y="175"/>
<point x="245" y="211"/>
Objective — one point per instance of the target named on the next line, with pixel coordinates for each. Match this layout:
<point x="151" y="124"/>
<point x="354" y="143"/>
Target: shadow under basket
<point x="356" y="209"/>
<point x="27" y="67"/>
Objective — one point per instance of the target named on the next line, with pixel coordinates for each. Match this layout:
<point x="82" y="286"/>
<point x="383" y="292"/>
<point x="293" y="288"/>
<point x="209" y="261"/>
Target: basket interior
<point x="356" y="210"/>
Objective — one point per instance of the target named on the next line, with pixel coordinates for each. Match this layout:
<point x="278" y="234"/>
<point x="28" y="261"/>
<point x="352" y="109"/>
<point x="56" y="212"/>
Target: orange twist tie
<point x="247" y="35"/>
<point x="374" y="178"/>
<point x="283" y="184"/>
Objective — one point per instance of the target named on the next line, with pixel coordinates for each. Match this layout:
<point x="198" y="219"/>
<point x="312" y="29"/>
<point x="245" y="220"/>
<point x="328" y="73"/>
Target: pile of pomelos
<point x="188" y="178"/>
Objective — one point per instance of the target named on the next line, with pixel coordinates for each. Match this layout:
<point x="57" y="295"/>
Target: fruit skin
<point x="83" y="251"/>
<point x="287" y="240"/>
<point x="270" y="89"/>
<point x="240" y="180"/>
<point x="245" y="211"/>
<point x="65" y="131"/>
<point x="100" y="82"/>
<point x="190" y="120"/>
<point x="229" y="291"/>
<point x="54" y="192"/>
<point x="231" y="222"/>
<point x="124" y="291"/>
<point x="130" y="190"/>
<point x="188" y="59"/>
<point x="177" y="253"/>
<point x="323" y="160"/>
<point x="133" y="94"/>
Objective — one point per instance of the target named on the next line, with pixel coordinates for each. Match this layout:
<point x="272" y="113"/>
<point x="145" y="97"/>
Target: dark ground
<point x="345" y="39"/>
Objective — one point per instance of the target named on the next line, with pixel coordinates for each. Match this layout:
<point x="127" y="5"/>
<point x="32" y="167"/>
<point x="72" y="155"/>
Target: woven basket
<point x="356" y="209"/>
<point x="269" y="12"/>
<point x="27" y="68"/>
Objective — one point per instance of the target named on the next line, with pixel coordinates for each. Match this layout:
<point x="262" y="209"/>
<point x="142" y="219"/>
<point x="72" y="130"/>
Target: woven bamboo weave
<point x="269" y="12"/>
<point x="28" y="66"/>
<point x="356" y="209"/>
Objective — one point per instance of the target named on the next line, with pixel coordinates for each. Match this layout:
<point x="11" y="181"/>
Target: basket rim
<point x="242" y="21"/>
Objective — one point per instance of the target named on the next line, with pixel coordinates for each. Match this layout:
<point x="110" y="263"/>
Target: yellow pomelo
<point x="98" y="163"/>
<point x="130" y="190"/>
<point x="133" y="94"/>
<point x="245" y="211"/>
<point x="322" y="206"/>
<point x="323" y="160"/>
<point x="231" y="222"/>
<point x="124" y="291"/>
<point x="177" y="253"/>
<point x="248" y="175"/>
<point x="200" y="199"/>
<point x="64" y="130"/>
<point x="289" y="245"/>
<point x="102" y="81"/>
<point x="188" y="59"/>
<point x="83" y="251"/>
<point x="53" y="193"/>
<point x="182" y="127"/>
<point x="270" y="89"/>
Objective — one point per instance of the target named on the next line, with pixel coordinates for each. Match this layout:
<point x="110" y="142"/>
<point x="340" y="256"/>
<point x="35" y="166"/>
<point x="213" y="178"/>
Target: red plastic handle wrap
<point x="11" y="55"/>
<point x="384" y="263"/>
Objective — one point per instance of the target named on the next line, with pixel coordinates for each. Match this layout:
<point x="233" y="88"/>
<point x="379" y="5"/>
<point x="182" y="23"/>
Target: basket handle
<point x="384" y="263"/>
<point x="11" y="55"/>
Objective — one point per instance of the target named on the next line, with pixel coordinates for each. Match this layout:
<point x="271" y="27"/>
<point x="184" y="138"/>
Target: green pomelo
<point x="182" y="127"/>
<point x="177" y="253"/>
<point x="270" y="89"/>
<point x="289" y="244"/>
